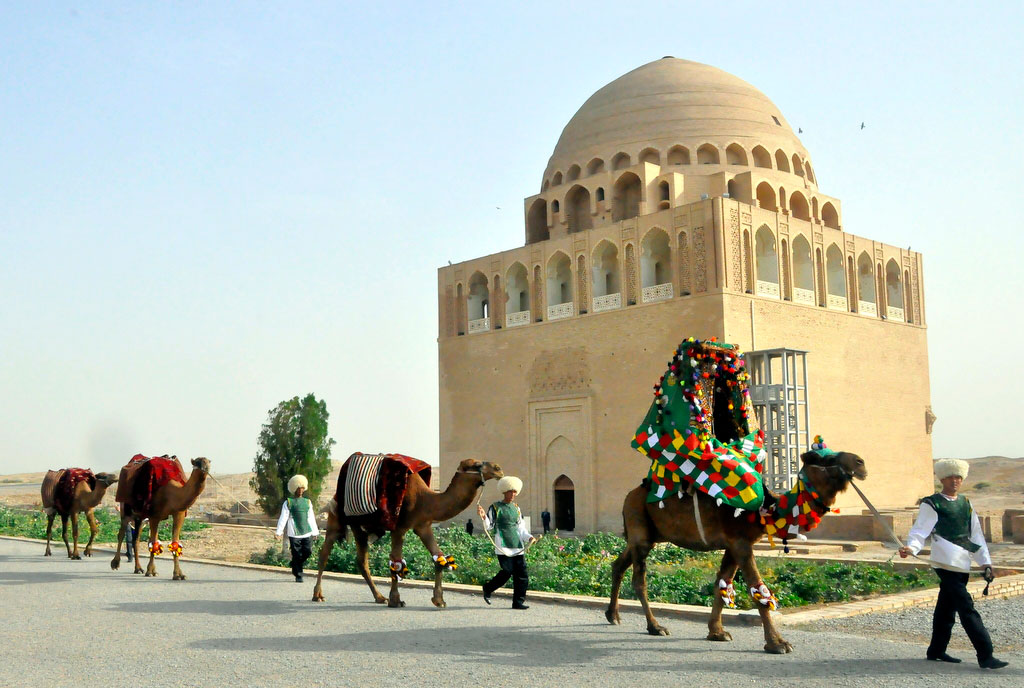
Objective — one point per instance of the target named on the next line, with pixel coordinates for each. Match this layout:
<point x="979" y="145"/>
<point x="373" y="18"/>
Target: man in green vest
<point x="956" y="537"/>
<point x="298" y="520"/>
<point x="510" y="540"/>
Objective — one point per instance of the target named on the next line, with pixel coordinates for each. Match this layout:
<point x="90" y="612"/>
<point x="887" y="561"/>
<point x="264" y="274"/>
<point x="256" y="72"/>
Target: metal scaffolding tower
<point x="778" y="393"/>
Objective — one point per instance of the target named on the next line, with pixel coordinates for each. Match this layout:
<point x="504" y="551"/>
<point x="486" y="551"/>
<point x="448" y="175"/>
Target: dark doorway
<point x="565" y="504"/>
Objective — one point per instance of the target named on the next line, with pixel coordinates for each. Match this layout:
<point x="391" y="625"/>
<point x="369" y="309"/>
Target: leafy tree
<point x="293" y="440"/>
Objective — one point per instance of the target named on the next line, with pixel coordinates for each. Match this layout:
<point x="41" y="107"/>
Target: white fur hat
<point x="296" y="482"/>
<point x="948" y="467"/>
<point x="510" y="482"/>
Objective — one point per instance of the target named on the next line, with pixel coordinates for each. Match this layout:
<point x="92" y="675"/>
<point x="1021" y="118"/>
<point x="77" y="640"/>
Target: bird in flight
<point x="799" y="130"/>
<point x="861" y="125"/>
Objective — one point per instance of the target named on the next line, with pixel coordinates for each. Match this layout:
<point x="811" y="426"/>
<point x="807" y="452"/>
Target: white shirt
<point x="524" y="536"/>
<point x="945" y="554"/>
<point x="286" y="519"/>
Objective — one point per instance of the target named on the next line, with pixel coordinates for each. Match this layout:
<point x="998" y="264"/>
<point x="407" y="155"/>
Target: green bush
<point x="582" y="566"/>
<point x="33" y="525"/>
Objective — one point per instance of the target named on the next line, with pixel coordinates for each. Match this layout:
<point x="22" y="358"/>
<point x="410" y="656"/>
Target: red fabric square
<point x="654" y="453"/>
<point x="670" y="466"/>
<point x="641" y="438"/>
<point x="703" y="463"/>
<point x="749" y="478"/>
<point x="665" y="441"/>
<point x="716" y="477"/>
<point x="731" y="464"/>
<point x="731" y="492"/>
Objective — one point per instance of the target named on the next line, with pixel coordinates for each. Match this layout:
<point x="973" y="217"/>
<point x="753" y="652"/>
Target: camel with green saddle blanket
<point x="704" y="490"/>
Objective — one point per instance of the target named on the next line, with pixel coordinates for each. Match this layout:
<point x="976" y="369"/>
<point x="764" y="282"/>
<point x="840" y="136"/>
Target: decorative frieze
<point x="518" y="318"/>
<point x="659" y="292"/>
<point x="608" y="302"/>
<point x="700" y="260"/>
<point x="559" y="311"/>
<point x="479" y="325"/>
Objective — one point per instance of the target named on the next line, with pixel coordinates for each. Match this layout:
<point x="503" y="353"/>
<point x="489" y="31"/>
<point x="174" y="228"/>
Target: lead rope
<point x="479" y="494"/>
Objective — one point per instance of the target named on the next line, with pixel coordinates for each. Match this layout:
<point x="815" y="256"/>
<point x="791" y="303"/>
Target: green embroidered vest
<point x="954" y="522"/>
<point x="506" y="525"/>
<point x="299" y="508"/>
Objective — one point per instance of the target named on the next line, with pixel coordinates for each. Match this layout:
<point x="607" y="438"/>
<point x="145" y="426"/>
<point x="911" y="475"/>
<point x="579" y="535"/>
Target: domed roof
<point x="671" y="102"/>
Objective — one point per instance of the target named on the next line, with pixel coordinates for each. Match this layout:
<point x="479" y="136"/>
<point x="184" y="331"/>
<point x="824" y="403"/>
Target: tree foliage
<point x="293" y="440"/>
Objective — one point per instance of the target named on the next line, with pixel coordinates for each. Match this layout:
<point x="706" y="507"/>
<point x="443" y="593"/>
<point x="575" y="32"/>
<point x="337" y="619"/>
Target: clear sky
<point x="207" y="208"/>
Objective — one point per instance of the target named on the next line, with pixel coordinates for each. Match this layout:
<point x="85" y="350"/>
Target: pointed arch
<point x="557" y="179"/>
<point x="766" y="196"/>
<point x="735" y="154"/>
<point x="573" y="173"/>
<point x="606" y="275"/>
<point x="537" y="222"/>
<point x="835" y="278"/>
<point x="803" y="269"/>
<point x="626" y="197"/>
<point x="893" y="291"/>
<point x="767" y="262"/>
<point x="798" y="206"/>
<point x="810" y="175"/>
<point x="798" y="167"/>
<point x="517" y="289"/>
<point x="620" y="162"/>
<point x="866" y="300"/>
<point x="577" y="207"/>
<point x="478" y="300"/>
<point x="829" y="216"/>
<point x="762" y="158"/>
<point x="678" y="155"/>
<point x="707" y="154"/>
<point x="650" y="155"/>
<point x="781" y="161"/>
<point x="594" y="166"/>
<point x="559" y="279"/>
<point x="655" y="259"/>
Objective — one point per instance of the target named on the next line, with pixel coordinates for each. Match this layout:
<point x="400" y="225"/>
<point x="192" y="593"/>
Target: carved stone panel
<point x="700" y="260"/>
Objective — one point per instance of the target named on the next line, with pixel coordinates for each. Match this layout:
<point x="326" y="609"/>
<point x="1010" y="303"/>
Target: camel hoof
<point x="440" y="604"/>
<point x="782" y="648"/>
<point x="380" y="600"/>
<point x="318" y="596"/>
<point x="720" y="636"/>
<point x="115" y="565"/>
<point x="75" y="556"/>
<point x="657" y="630"/>
<point x="137" y="571"/>
<point x="178" y="576"/>
<point x="613" y="617"/>
<point x="47" y="554"/>
<point x="396" y="604"/>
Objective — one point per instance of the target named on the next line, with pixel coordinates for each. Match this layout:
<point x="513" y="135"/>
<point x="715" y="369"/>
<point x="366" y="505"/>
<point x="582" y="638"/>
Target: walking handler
<point x="956" y="536"/>
<point x="297" y="517"/>
<point x="510" y="540"/>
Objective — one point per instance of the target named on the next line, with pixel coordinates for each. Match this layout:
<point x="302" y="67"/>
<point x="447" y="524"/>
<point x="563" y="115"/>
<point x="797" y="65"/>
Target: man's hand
<point x="988" y="574"/>
<point x="904" y="552"/>
<point x="480" y="511"/>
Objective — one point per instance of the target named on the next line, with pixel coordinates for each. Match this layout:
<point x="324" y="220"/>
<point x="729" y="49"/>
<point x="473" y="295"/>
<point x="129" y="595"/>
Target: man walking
<point x="545" y="518"/>
<point x="510" y="540"/>
<point x="956" y="536"/>
<point x="298" y="520"/>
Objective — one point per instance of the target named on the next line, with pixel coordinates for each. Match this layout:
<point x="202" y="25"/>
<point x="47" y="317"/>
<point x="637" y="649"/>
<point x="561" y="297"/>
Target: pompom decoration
<point x="156" y="549"/>
<point x="176" y="548"/>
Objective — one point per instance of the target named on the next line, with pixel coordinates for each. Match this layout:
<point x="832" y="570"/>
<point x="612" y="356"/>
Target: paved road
<point x="69" y="623"/>
<point x="18" y="488"/>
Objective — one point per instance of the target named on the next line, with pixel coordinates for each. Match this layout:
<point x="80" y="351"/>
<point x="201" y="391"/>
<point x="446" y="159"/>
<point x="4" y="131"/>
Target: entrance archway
<point x="565" y="504"/>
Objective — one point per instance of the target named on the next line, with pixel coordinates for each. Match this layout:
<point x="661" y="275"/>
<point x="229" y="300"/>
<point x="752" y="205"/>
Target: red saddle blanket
<point x="394" y="475"/>
<point x="62" y="490"/>
<point x="142" y="477"/>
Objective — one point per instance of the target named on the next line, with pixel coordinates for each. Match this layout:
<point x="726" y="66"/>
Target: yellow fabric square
<point x="732" y="479"/>
<point x="748" y="494"/>
<point x="678" y="440"/>
<point x="717" y="465"/>
<point x="781" y="523"/>
<point x="661" y="471"/>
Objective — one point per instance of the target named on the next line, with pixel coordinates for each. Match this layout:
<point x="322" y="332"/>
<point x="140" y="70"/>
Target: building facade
<point x="678" y="202"/>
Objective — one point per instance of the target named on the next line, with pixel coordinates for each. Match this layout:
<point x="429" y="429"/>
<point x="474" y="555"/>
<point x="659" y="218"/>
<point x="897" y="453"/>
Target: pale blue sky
<point x="207" y="208"/>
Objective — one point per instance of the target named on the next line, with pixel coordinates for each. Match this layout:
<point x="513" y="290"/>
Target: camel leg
<point x="363" y="562"/>
<point x="325" y="553"/>
<point x="154" y="527"/>
<point x="49" y="529"/>
<point x="774" y="643"/>
<point x="426" y="535"/>
<point x="115" y="563"/>
<point x="179" y="519"/>
<point x="135" y="545"/>
<point x="64" y="533"/>
<point x="397" y="540"/>
<point x="619" y="567"/>
<point x="93" y="529"/>
<point x="640" y="552"/>
<point x="726" y="572"/>
<point x="74" y="534"/>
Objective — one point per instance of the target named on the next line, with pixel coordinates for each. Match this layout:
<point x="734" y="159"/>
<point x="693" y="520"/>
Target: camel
<point x="172" y="499"/>
<point x="84" y="498"/>
<point x="648" y="524"/>
<point x="421" y="508"/>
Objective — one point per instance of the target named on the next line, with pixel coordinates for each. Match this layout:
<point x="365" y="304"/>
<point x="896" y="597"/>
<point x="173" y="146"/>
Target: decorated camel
<point x="68" y="493"/>
<point x="153" y="489"/>
<point x="390" y="493"/>
<point x="704" y="491"/>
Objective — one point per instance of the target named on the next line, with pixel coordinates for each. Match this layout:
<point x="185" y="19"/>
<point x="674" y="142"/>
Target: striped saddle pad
<point x="361" y="484"/>
<point x="49" y="487"/>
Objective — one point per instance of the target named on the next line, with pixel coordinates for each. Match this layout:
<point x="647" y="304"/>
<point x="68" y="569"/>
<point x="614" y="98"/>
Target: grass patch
<point x="583" y="567"/>
<point x="33" y="525"/>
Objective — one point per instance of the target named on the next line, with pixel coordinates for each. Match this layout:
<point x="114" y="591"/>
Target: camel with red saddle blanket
<point x="394" y="496"/>
<point x="155" y="489"/>
<point x="69" y="492"/>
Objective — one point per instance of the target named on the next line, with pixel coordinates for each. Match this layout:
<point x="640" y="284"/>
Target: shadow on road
<point x="214" y="607"/>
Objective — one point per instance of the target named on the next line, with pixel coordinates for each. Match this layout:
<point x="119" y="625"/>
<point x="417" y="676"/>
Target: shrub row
<point x="33" y="525"/>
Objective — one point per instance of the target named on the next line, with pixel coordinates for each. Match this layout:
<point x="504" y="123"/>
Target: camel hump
<point x="49" y="487"/>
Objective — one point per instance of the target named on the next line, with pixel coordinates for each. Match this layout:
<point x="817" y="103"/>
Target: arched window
<point x="678" y="155"/>
<point x="559" y="286"/>
<point x="767" y="259"/>
<point x="893" y="291"/>
<point x="762" y="158"/>
<point x="650" y="155"/>
<point x="573" y="173"/>
<point x="766" y="196"/>
<point x="781" y="161"/>
<point x="707" y="155"/>
<point x="829" y="216"/>
<point x="537" y="222"/>
<point x="478" y="306"/>
<point x="866" y="286"/>
<point x="663" y="195"/>
<point x="810" y="175"/>
<point x="655" y="266"/>
<point x="577" y="206"/>
<point x="557" y="179"/>
<point x="607" y="283"/>
<point x="835" y="278"/>
<point x="798" y="167"/>
<point x="798" y="206"/>
<point x="620" y="162"/>
<point x="814" y="207"/>
<point x="626" y="199"/>
<point x="594" y="166"/>
<point x="600" y="193"/>
<point x="517" y="288"/>
<point x="803" y="271"/>
<point x="554" y="206"/>
<point x="735" y="155"/>
<point x="545" y="186"/>
<point x="732" y="189"/>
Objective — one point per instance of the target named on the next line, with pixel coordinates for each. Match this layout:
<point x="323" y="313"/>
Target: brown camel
<point x="647" y="524"/>
<point x="172" y="499"/>
<point x="85" y="497"/>
<point x="421" y="508"/>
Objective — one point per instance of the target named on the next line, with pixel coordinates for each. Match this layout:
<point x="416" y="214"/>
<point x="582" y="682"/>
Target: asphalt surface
<point x="71" y="623"/>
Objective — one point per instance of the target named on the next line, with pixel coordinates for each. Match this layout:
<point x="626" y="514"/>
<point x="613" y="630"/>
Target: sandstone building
<point x="679" y="202"/>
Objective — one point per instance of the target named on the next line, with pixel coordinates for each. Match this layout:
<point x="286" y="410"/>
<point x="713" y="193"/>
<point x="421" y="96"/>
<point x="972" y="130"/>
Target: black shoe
<point x="943" y="657"/>
<point x="519" y="605"/>
<point x="298" y="578"/>
<point x="487" y="596"/>
<point x="992" y="663"/>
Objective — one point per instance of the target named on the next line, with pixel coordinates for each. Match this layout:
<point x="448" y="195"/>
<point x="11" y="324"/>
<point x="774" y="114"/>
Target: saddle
<point x="371" y="488"/>
<point x="142" y="477"/>
<point x="58" y="490"/>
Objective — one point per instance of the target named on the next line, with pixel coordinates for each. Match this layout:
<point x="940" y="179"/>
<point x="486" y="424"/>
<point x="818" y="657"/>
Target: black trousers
<point x="514" y="568"/>
<point x="301" y="549"/>
<point x="954" y="599"/>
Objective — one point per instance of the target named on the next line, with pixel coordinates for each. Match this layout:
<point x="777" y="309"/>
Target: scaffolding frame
<point x="779" y="394"/>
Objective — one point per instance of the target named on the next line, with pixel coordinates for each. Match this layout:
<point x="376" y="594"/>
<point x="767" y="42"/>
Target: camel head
<point x="832" y="474"/>
<point x="202" y="463"/>
<point x="106" y="479"/>
<point x="486" y="469"/>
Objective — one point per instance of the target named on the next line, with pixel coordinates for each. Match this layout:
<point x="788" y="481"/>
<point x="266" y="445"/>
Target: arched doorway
<point x="565" y="504"/>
